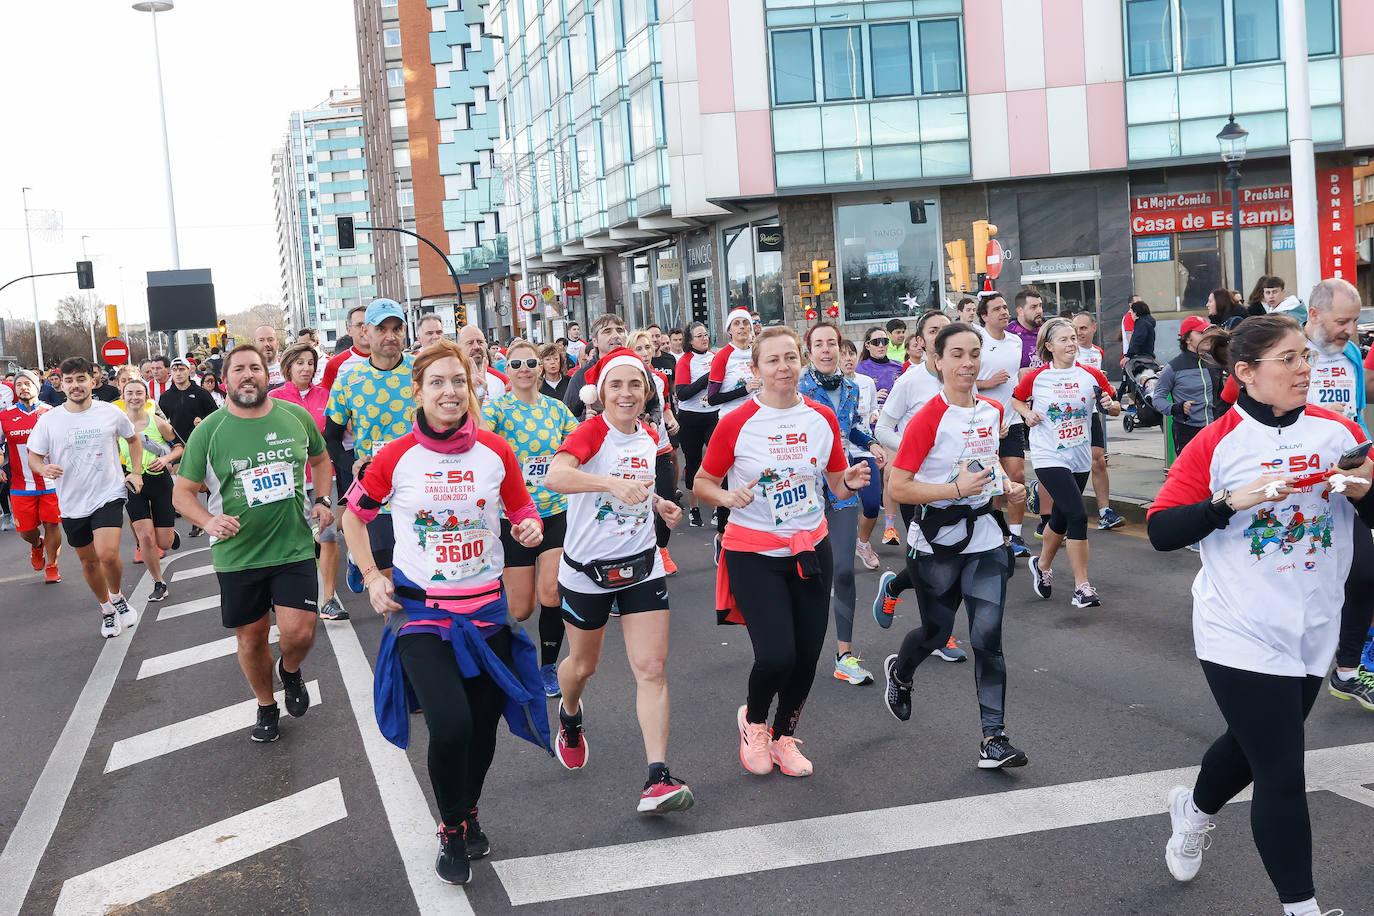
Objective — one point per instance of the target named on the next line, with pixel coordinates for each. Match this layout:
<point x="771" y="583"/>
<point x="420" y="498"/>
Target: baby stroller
<point x="1138" y="381"/>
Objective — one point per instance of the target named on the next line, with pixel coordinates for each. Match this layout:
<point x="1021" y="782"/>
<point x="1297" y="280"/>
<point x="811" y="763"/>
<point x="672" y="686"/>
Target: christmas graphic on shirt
<point x="790" y="491"/>
<point x="608" y="508"/>
<point x="456" y="548"/>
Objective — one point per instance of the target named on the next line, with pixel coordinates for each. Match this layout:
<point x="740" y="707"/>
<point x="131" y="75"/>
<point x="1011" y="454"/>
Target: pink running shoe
<point x="753" y="746"/>
<point x="789" y="759"/>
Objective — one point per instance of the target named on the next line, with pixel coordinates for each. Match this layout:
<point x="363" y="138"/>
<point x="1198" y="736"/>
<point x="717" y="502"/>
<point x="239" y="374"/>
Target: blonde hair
<point x="1047" y="329"/>
<point x="443" y="349"/>
<point x="522" y="344"/>
<point x="770" y="334"/>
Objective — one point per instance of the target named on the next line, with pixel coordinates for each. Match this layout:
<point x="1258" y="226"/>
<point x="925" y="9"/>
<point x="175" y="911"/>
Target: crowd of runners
<point x="473" y="487"/>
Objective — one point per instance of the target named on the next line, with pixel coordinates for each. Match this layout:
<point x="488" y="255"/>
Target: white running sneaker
<point x="864" y="551"/>
<point x="128" y="617"/>
<point x="1183" y="852"/>
<point x="109" y="626"/>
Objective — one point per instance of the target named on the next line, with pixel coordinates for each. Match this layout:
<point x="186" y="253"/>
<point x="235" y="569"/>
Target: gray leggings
<point x="844" y="534"/>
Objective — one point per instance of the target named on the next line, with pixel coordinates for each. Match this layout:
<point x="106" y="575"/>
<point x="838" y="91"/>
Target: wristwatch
<point x="1222" y="499"/>
<point x="323" y="501"/>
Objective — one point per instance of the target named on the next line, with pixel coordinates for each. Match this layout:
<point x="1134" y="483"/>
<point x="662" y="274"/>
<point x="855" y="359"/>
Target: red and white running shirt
<point x="787" y="452"/>
<point x="446" y="508"/>
<point x="690" y="367"/>
<point x="1065" y="401"/>
<point x="15" y="425"/>
<point x="601" y="527"/>
<point x="1090" y="357"/>
<point x="912" y="391"/>
<point x="732" y="368"/>
<point x="939" y="441"/>
<point x="1268" y="597"/>
<point x="661" y="386"/>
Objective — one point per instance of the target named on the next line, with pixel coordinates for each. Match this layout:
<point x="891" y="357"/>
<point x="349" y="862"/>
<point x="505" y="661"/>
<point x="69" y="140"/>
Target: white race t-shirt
<point x="732" y="368"/>
<point x="690" y="367"/>
<point x="1001" y="354"/>
<point x="868" y="406"/>
<point x="1064" y="399"/>
<point x="1090" y="357"/>
<point x="86" y="446"/>
<point x="274" y="376"/>
<point x="912" y="390"/>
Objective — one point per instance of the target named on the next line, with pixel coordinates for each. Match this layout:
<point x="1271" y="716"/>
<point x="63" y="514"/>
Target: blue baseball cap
<point x="379" y="310"/>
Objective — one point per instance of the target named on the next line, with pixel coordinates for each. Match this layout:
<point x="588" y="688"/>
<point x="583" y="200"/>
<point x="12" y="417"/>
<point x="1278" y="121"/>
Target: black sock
<point x="656" y="771"/>
<point x="569" y="719"/>
<point x="550" y="633"/>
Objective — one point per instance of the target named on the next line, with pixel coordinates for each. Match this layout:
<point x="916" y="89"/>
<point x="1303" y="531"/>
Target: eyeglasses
<point x="878" y="341"/>
<point x="530" y="363"/>
<point x="1290" y="360"/>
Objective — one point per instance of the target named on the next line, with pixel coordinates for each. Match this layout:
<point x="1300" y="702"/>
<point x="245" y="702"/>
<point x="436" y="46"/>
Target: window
<point x="884" y="256"/>
<point x="842" y="59"/>
<point x="1202" y="31"/>
<point x="1321" y="28"/>
<point x="634" y="15"/>
<point x="391" y="38"/>
<point x="401" y="157"/>
<point x="398" y="116"/>
<point x="389" y="2"/>
<point x="1149" y="36"/>
<point x="642" y="133"/>
<point x="1257" y="30"/>
<point x="395" y="77"/>
<point x="890" y="47"/>
<point x="794" y="71"/>
<point x="941" y="70"/>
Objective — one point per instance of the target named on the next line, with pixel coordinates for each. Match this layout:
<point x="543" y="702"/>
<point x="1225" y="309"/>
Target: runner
<point x="1057" y="401"/>
<point x="75" y="447"/>
<point x="32" y="497"/>
<point x="697" y="418"/>
<point x="266" y="340"/>
<point x="1091" y="355"/>
<point x="966" y="311"/>
<point x="553" y="381"/>
<point x="871" y="497"/>
<point x="186" y="403"/>
<point x="608" y="333"/>
<point x="429" y="331"/>
<point x="1264" y="660"/>
<point x="732" y="381"/>
<point x="658" y="414"/>
<point x="778" y="561"/>
<point x="947" y="466"/>
<point x="357" y="353"/>
<point x="999" y="368"/>
<point x="252" y="457"/>
<point x="884" y="371"/>
<point x="610" y="564"/>
<point x="150" y="511"/>
<point x="535" y="425"/>
<point x="896" y="333"/>
<point x="486" y="382"/>
<point x="448" y="483"/>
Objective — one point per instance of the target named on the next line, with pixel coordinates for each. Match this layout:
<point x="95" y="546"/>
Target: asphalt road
<point x="897" y="818"/>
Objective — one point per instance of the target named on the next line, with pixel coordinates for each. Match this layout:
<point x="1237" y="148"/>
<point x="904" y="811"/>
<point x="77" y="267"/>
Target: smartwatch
<point x="323" y="501"/>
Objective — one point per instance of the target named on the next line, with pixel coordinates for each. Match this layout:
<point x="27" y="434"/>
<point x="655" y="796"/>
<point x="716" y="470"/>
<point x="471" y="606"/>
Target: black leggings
<point x="1263" y="744"/>
<point x="694" y="430"/>
<point x="462" y="715"/>
<point x="787" y="618"/>
<point x="1183" y="434"/>
<point x="979" y="580"/>
<point x="904" y="577"/>
<point x="1359" y="587"/>
<point x="665" y="485"/>
<point x="1065" y="487"/>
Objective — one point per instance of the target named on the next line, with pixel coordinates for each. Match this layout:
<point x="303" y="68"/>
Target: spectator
<point x="1223" y="310"/>
<point x="1254" y="305"/>
<point x="1276" y="301"/>
<point x="1143" y="335"/>
<point x="896" y="337"/>
<point x="1189" y="388"/>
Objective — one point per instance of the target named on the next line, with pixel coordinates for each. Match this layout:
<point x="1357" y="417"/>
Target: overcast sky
<point x="81" y="130"/>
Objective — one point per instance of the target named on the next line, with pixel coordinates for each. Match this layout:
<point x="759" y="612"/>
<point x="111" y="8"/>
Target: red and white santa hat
<point x="738" y="312"/>
<point x="598" y="371"/>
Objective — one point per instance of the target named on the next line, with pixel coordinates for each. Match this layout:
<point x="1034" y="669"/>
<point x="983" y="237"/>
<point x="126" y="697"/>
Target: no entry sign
<point x="994" y="258"/>
<point x="115" y="352"/>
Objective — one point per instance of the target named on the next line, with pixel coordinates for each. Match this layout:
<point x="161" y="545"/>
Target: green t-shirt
<point x="255" y="469"/>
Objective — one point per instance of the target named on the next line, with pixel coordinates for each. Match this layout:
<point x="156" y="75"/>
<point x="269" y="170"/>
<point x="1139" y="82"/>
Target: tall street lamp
<point x="1232" y="142"/>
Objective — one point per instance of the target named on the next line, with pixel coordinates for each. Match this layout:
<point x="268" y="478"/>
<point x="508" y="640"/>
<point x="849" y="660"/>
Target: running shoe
<point x="1367" y="656"/>
<point x="1108" y="519"/>
<point x="669" y="567"/>
<point x="1033" y="497"/>
<point x="1042" y="580"/>
<point x="1040" y="530"/>
<point x="333" y="609"/>
<point x="664" y="795"/>
<point x="884" y="604"/>
<point x="293" y="686"/>
<point x="715" y="550"/>
<point x="864" y="551"/>
<point x="789" y="759"/>
<point x="159" y="591"/>
<point x="36" y="555"/>
<point x="452" y="864"/>
<point x="1085" y="596"/>
<point x="109" y="626"/>
<point x="138" y="555"/>
<point x="849" y="669"/>
<point x="997" y="752"/>
<point x="1191" y="835"/>
<point x="128" y="617"/>
<point x="266" y="730"/>
<point x="753" y="745"/>
<point x="571" y="746"/>
<point x="176" y="540"/>
<point x="1359" y="688"/>
<point x="6" y="523"/>
<point x="474" y="838"/>
<point x="51" y="575"/>
<point x="1018" y="547"/>
<point x="354" y="577"/>
<point x="694" y="518"/>
<point x="195" y="532"/>
<point x="950" y="652"/>
<point x="890" y="537"/>
<point x="549" y="675"/>
<point x="897" y="696"/>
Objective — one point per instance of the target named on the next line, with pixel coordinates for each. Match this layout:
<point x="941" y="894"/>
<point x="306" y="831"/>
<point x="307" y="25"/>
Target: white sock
<point x="1192" y="811"/>
<point x="1347" y="675"/>
<point x="116" y="596"/>
<point x="1306" y="907"/>
<point x="106" y="607"/>
<point x="1015" y="529"/>
<point x="1101" y="512"/>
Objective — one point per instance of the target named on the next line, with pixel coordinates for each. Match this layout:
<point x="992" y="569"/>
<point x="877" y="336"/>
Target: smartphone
<point x="1355" y="457"/>
<point x="976" y="466"/>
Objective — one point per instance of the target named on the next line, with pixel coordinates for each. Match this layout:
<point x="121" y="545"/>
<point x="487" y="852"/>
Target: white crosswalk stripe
<point x="181" y="609"/>
<point x="182" y="575"/>
<point x="184" y="658"/>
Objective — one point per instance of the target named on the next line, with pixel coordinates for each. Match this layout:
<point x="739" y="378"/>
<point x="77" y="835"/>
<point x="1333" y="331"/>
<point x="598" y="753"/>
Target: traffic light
<point x="820" y="277"/>
<point x="220" y="336"/>
<point x="958" y="264"/>
<point x="460" y="316"/>
<point x="345" y="225"/>
<point x="982" y="231"/>
<point x="804" y="282"/>
<point x="85" y="275"/>
<point x="112" y="321"/>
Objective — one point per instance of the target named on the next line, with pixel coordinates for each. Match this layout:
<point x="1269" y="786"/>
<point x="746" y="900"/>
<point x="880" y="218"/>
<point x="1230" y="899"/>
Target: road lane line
<point x="184" y="734"/>
<point x="34" y="829"/>
<point x="182" y="575"/>
<point x="407" y="810"/>
<point x="166" y="865"/>
<point x="862" y="834"/>
<point x="183" y="658"/>
<point x="183" y="608"/>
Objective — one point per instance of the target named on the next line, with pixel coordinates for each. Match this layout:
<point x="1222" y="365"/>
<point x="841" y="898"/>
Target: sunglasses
<point x="530" y="363"/>
<point x="877" y="341"/>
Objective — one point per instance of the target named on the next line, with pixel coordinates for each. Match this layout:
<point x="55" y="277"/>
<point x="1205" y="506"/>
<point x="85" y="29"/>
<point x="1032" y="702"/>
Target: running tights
<point x="871" y="496"/>
<point x="844" y="529"/>
<point x="1263" y="744"/>
<point x="786" y="616"/>
<point x="903" y="579"/>
<point x="1359" y="605"/>
<point x="665" y="485"/>
<point x="462" y="715"/>
<point x="695" y="427"/>
<point x="979" y="580"/>
<point x="1070" y="517"/>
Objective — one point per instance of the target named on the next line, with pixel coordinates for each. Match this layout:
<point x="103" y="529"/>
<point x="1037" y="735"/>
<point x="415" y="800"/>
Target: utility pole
<point x="33" y="285"/>
<point x="1302" y="160"/>
<point x="90" y="312"/>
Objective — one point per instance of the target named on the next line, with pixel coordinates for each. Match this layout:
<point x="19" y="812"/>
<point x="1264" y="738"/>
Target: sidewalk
<point x="1135" y="465"/>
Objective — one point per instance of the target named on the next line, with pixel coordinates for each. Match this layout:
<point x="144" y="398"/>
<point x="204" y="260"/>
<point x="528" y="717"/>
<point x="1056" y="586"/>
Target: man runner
<point x="33" y="498"/>
<point x="1090" y="354"/>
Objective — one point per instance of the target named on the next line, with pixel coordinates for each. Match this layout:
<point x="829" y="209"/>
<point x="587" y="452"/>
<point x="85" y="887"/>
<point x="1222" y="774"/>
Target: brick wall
<point x="960" y="205"/>
<point x="808" y="233"/>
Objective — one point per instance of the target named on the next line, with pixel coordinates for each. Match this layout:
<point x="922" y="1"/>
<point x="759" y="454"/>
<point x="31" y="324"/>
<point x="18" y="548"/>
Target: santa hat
<point x="599" y="370"/>
<point x="738" y="313"/>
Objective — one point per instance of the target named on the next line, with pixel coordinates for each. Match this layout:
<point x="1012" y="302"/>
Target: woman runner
<point x="732" y="381"/>
<point x="150" y="511"/>
<point x="659" y="414"/>
<point x="534" y="424"/>
<point x="553" y="381"/>
<point x="871" y="498"/>
<point x="697" y="418"/>
<point x="446" y="639"/>
<point x="778" y="450"/>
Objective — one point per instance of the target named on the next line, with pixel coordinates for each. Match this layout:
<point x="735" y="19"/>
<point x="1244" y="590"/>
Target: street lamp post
<point x="1232" y="143"/>
<point x="89" y="311"/>
<point x="33" y="284"/>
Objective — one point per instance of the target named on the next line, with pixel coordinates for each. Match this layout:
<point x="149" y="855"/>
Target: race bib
<point x="459" y="554"/>
<point x="1333" y="387"/>
<point x="268" y="483"/>
<point x="993" y="487"/>
<point x="1071" y="434"/>
<point x="535" y="469"/>
<point x="789" y="494"/>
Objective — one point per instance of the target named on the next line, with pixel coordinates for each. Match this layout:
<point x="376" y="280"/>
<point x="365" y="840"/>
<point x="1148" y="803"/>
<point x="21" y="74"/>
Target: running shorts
<point x="590" y="612"/>
<point x="153" y="501"/>
<point x="1099" y="434"/>
<point x="1014" y="445"/>
<point x="247" y="594"/>
<point x="81" y="531"/>
<point x="31" y="508"/>
<point x="518" y="555"/>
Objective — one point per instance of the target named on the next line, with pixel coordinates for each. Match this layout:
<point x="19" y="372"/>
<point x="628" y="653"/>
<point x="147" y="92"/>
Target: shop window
<point x="1199" y="261"/>
<point x="890" y="48"/>
<point x="794" y="76"/>
<point x="941" y="67"/>
<point x="753" y="278"/>
<point x="885" y="256"/>
<point x="1149" y="31"/>
<point x="1202" y="33"/>
<point x="842" y="62"/>
<point x="1257" y="30"/>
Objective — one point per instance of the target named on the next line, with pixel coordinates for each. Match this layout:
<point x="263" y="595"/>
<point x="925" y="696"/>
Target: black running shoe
<point x="897" y="696"/>
<point x="266" y="729"/>
<point x="195" y="532"/>
<point x="998" y="752"/>
<point x="159" y="591"/>
<point x="694" y="518"/>
<point x="176" y="540"/>
<point x="293" y="685"/>
<point x="474" y="838"/>
<point x="452" y="864"/>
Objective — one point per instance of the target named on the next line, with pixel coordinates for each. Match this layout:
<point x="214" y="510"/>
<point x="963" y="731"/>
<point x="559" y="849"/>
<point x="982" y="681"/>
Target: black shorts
<point x="591" y="611"/>
<point x="1014" y="445"/>
<point x="153" y="501"/>
<point x="247" y="594"/>
<point x="518" y="555"/>
<point x="81" y="531"/>
<point x="1099" y="432"/>
<point x="382" y="537"/>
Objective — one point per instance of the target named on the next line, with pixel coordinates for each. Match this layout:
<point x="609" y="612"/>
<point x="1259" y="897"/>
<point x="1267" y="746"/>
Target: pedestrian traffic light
<point x="345" y="226"/>
<point x="820" y="277"/>
<point x="803" y="283"/>
<point x="958" y="264"/>
<point x="85" y="275"/>
<point x="982" y="231"/>
<point x="111" y="321"/>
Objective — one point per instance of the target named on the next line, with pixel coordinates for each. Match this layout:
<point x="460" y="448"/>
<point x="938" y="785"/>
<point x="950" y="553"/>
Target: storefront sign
<point x="1202" y="219"/>
<point x="1186" y="200"/>
<point x="670" y="268"/>
<point x="769" y="238"/>
<point x="1047" y="267"/>
<point x="883" y="262"/>
<point x="698" y="247"/>
<point x="1336" y="222"/>
<point x="1281" y="238"/>
<point x="1152" y="248"/>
